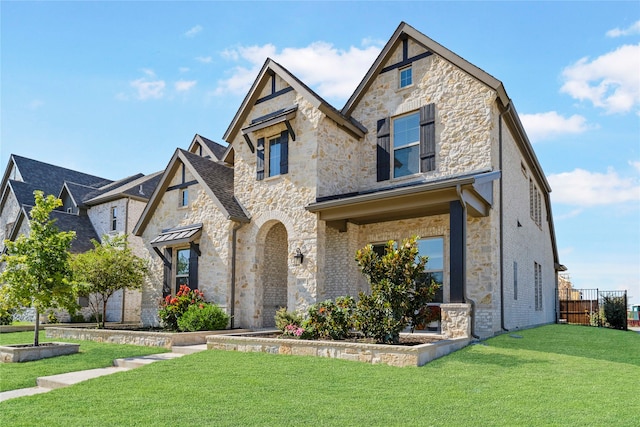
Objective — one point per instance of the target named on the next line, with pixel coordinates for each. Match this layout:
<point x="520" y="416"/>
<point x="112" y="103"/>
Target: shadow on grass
<point x="578" y="341"/>
<point x="499" y="359"/>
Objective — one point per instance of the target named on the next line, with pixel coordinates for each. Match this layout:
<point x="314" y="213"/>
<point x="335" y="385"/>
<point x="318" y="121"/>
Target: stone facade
<point x="334" y="156"/>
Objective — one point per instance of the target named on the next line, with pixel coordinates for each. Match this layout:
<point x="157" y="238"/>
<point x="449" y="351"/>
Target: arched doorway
<point x="274" y="275"/>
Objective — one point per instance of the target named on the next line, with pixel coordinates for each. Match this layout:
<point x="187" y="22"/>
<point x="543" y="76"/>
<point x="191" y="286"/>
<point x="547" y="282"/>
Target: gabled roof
<point x="268" y="69"/>
<point x="141" y="188"/>
<point x="215" y="177"/>
<point x="77" y="192"/>
<point x="49" y="178"/>
<point x="81" y="224"/>
<point x="211" y="148"/>
<point x="403" y="31"/>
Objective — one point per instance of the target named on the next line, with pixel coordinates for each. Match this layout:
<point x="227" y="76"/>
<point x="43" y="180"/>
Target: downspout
<point x="464" y="282"/>
<point x="501" y="218"/>
<point x="126" y="233"/>
<point x="234" y="232"/>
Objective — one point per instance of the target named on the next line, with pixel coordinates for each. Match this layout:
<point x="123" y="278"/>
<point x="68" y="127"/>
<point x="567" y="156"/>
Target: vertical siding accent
<point x="284" y="152"/>
<point x="260" y="160"/>
<point x="457" y="251"/>
<point x="383" y="158"/>
<point x="193" y="267"/>
<point x="166" y="280"/>
<point x="428" y="137"/>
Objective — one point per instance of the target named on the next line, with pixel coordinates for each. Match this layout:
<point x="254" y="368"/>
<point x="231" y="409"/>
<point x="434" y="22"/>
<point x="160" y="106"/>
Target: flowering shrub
<point x="331" y="320"/>
<point x="203" y="317"/>
<point x="285" y="318"/>
<point x="293" y="331"/>
<point x="173" y="307"/>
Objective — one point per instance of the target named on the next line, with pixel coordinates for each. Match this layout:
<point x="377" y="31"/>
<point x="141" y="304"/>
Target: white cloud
<point x="149" y="72"/>
<point x="631" y="30"/>
<point x="193" y="31"/>
<point x="585" y="188"/>
<point x="184" y="85"/>
<point x="550" y="124"/>
<point x="204" y="59"/>
<point x="332" y="72"/>
<point x="635" y="165"/>
<point x="610" y="81"/>
<point x="149" y="89"/>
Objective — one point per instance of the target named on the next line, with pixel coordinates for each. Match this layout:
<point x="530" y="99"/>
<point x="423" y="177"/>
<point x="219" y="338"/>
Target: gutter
<point x="464" y="282"/>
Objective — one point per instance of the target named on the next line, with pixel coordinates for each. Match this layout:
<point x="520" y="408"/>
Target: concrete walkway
<point x="64" y="380"/>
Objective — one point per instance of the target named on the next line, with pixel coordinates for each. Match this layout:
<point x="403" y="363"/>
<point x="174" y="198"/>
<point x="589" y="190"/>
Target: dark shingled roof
<point x="49" y="178"/>
<point x="218" y="150"/>
<point x="80" y="193"/>
<point x="219" y="178"/>
<point x="24" y="191"/>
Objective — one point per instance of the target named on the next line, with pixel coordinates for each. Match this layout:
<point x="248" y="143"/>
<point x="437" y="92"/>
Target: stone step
<point x="11" y="394"/>
<point x="70" y="378"/>
<point x="188" y="349"/>
<point x="136" y="362"/>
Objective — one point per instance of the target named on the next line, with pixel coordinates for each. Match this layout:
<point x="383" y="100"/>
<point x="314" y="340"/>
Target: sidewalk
<point x="119" y="365"/>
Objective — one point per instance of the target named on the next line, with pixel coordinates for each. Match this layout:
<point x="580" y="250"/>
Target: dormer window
<point x="406" y="77"/>
<point x="276" y="158"/>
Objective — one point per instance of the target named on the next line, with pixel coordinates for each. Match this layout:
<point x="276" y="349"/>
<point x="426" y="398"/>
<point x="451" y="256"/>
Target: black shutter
<point x="284" y="152"/>
<point x="193" y="267"/>
<point x="166" y="282"/>
<point x="428" y="138"/>
<point x="384" y="147"/>
<point x="260" y="160"/>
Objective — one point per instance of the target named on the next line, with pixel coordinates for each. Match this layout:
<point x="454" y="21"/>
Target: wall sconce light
<point x="299" y="255"/>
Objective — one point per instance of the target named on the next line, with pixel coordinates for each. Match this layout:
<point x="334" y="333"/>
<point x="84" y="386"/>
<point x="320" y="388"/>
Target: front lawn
<point x="92" y="355"/>
<point x="554" y="375"/>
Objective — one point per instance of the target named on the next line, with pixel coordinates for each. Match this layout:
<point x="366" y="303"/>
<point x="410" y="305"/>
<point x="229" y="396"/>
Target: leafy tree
<point x="399" y="291"/>
<point x="36" y="271"/>
<point x="615" y="311"/>
<point x="107" y="268"/>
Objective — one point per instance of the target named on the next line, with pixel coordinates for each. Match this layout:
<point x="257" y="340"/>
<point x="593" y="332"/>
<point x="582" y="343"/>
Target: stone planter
<point x="27" y="352"/>
<point x="394" y="355"/>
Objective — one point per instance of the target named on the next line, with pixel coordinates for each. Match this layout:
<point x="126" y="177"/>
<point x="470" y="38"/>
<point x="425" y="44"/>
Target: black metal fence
<point x="593" y="307"/>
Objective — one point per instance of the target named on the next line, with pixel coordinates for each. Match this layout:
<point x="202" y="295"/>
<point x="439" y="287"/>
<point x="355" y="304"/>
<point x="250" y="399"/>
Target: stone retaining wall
<point x="144" y="338"/>
<point x="394" y="355"/>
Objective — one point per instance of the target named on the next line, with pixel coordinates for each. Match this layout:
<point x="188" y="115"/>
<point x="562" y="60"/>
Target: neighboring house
<point x="92" y="207"/>
<point x="427" y="145"/>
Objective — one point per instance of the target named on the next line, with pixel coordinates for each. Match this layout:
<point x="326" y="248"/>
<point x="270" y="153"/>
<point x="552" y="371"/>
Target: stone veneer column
<point x="456" y="320"/>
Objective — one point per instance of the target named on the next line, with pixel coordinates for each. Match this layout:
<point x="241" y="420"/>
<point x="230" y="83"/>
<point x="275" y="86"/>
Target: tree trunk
<point x="104" y="311"/>
<point x="36" y="335"/>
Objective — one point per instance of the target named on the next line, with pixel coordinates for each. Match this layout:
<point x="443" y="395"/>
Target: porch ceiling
<point x="421" y="199"/>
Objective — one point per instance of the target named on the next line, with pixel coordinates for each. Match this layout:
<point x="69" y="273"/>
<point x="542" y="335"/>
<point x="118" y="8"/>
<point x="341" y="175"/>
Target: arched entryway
<point x="274" y="273"/>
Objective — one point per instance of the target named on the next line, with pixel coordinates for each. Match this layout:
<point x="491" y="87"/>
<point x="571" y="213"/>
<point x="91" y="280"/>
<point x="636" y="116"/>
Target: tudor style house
<point x="92" y="207"/>
<point x="427" y="145"/>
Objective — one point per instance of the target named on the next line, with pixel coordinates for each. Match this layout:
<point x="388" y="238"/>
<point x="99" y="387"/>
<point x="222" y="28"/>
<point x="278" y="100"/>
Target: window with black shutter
<point x="260" y="160"/>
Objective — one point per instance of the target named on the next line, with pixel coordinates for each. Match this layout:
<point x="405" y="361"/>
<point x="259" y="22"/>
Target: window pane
<point x="379" y="248"/>
<point x="434" y="249"/>
<point x="406" y="161"/>
<point x="183" y="262"/>
<point x="406" y="130"/>
<point x="405" y="77"/>
<point x="274" y="157"/>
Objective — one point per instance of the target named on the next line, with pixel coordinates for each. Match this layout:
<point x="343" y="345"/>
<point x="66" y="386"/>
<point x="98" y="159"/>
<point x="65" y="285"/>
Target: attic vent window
<point x="406" y="77"/>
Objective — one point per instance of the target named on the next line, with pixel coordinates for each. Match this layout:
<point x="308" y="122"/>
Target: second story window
<point x="406" y="77"/>
<point x="275" y="155"/>
<point x="406" y="145"/>
<point x="184" y="198"/>
<point x="114" y="218"/>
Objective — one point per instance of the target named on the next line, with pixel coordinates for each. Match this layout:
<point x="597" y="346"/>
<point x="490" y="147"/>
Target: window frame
<point x="414" y="157"/>
<point x="271" y="141"/>
<point x="177" y="275"/>
<point x="441" y="269"/>
<point x="402" y="77"/>
<point x="183" y="197"/>
<point x="537" y="279"/>
<point x="114" y="218"/>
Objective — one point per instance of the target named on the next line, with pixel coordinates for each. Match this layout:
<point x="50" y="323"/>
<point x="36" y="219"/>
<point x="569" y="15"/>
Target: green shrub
<point x="615" y="311"/>
<point x="285" y="318"/>
<point x="52" y="318"/>
<point x="173" y="307"/>
<point x="6" y="315"/>
<point x="77" y="318"/>
<point x="398" y="291"/>
<point x="330" y="320"/>
<point x="203" y="317"/>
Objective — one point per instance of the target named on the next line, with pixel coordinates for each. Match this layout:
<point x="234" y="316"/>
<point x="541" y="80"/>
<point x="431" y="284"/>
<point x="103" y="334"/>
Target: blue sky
<point x="112" y="88"/>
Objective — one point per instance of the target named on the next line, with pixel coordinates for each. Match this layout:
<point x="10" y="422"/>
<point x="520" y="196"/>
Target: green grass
<point x="554" y="375"/>
<point x="92" y="355"/>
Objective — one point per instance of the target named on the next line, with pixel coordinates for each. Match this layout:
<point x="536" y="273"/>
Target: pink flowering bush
<point x="173" y="307"/>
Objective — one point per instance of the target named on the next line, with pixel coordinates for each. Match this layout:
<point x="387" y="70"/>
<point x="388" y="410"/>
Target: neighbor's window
<point x="406" y="145"/>
<point x="535" y="203"/>
<point x="182" y="270"/>
<point x="433" y="248"/>
<point x="275" y="154"/>
<point x="184" y="197"/>
<point x="114" y="218"/>
<point x="537" y="277"/>
<point x="406" y="77"/>
<point x="515" y="280"/>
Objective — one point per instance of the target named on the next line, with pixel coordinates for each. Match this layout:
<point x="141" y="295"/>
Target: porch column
<point x="457" y="251"/>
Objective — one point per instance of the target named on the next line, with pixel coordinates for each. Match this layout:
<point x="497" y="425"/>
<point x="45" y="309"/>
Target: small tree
<point x="37" y="272"/>
<point x="107" y="268"/>
<point x="399" y="291"/>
